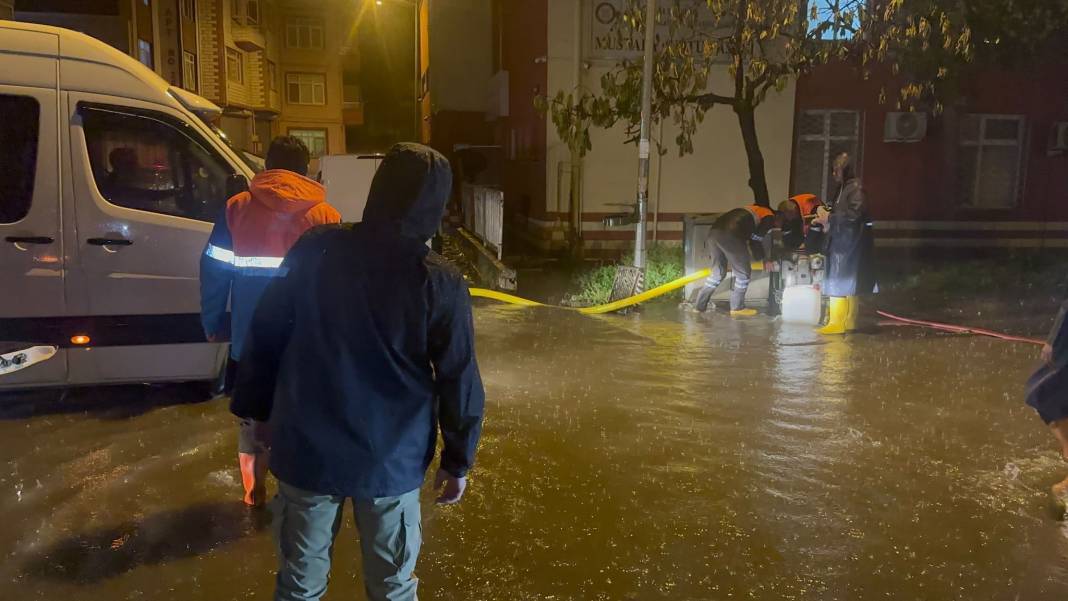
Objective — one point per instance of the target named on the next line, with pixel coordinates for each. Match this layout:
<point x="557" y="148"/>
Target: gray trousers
<point x="307" y="523"/>
<point x="727" y="250"/>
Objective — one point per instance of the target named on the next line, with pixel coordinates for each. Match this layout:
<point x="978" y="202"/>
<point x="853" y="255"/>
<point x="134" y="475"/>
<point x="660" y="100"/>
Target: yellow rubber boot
<point x="743" y="313"/>
<point x="851" y="315"/>
<point x="839" y="313"/>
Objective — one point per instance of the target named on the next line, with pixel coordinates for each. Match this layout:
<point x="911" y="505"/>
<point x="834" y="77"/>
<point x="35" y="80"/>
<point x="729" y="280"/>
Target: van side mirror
<point x="236" y="184"/>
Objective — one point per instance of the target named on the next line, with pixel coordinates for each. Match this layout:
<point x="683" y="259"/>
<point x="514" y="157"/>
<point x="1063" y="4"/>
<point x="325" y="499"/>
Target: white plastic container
<point x="802" y="304"/>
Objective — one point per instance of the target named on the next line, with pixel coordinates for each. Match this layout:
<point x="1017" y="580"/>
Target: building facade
<point x="545" y="46"/>
<point x="162" y="34"/>
<point x="274" y="66"/>
<point x="991" y="170"/>
<point x="276" y="69"/>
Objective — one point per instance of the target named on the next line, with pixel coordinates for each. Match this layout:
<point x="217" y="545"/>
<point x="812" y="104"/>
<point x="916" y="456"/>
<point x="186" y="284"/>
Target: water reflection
<point x="660" y="456"/>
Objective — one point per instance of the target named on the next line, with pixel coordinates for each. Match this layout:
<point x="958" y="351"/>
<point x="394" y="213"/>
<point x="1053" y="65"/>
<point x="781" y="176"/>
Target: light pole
<point x="643" y="138"/>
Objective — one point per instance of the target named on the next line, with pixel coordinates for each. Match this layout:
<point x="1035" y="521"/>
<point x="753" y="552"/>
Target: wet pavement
<point x="659" y="456"/>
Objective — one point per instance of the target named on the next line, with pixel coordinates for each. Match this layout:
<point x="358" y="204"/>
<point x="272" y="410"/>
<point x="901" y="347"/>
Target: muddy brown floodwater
<point x="652" y="457"/>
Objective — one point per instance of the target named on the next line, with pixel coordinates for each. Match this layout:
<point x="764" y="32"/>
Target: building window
<point x="821" y="136"/>
<point x="144" y="53"/>
<point x="304" y="33"/>
<point x="235" y="11"/>
<point x="189" y="9"/>
<point x="272" y="76"/>
<point x="189" y="71"/>
<point x="314" y="139"/>
<point x="988" y="168"/>
<point x="235" y="65"/>
<point x="306" y="88"/>
<point x="147" y="161"/>
<point x="252" y="12"/>
<point x="18" y="155"/>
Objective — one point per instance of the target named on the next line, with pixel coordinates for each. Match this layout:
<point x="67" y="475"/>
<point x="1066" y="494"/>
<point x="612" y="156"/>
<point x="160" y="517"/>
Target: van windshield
<point x="254" y="162"/>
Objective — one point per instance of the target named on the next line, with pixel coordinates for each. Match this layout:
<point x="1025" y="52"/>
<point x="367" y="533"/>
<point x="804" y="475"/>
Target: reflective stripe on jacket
<point x="247" y="246"/>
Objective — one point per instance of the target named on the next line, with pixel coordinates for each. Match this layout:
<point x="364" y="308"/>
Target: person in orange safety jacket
<point x="798" y="214"/>
<point x="243" y="255"/>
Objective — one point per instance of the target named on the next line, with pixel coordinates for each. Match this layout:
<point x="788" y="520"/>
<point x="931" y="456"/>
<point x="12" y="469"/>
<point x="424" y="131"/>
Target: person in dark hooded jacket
<point x="358" y="356"/>
<point x="850" y="249"/>
<point x="1047" y="390"/>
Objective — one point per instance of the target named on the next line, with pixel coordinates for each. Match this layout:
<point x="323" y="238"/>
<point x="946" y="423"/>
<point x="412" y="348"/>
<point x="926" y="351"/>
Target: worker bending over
<point x="731" y="241"/>
<point x="799" y="229"/>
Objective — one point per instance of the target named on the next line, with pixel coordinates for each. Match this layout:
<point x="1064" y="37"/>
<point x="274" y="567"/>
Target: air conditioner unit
<point x="905" y="127"/>
<point x="1058" y="138"/>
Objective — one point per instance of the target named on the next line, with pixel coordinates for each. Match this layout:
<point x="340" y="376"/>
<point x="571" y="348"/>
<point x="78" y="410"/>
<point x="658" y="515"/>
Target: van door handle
<point x="109" y="241"/>
<point x="30" y="239"/>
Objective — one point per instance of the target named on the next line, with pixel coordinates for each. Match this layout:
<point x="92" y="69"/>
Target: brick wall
<point x="208" y="23"/>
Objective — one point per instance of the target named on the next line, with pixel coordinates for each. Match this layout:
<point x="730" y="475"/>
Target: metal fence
<point x="484" y="215"/>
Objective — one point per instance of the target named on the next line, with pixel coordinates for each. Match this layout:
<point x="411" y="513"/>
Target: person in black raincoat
<point x="360" y="353"/>
<point x="1047" y="389"/>
<point x="850" y="249"/>
<point x="735" y="238"/>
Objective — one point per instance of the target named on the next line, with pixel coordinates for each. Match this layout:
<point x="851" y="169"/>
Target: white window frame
<point x="314" y="81"/>
<point x="272" y="77"/>
<point x="826" y="138"/>
<point x="240" y="66"/>
<point x="981" y="142"/>
<point x="190" y="71"/>
<point x="249" y="19"/>
<point x="302" y="133"/>
<point x="294" y="25"/>
<point x="189" y="9"/>
<point x="142" y="46"/>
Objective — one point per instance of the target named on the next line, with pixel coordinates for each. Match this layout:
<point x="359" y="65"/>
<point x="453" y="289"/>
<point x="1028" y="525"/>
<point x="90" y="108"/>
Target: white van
<point x="110" y="180"/>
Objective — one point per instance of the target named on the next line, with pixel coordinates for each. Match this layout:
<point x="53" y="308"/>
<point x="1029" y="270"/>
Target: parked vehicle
<point x="110" y="180"/>
<point x="347" y="179"/>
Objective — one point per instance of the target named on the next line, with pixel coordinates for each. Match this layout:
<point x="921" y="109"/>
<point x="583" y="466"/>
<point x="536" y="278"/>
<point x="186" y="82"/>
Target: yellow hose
<point x="606" y="308"/>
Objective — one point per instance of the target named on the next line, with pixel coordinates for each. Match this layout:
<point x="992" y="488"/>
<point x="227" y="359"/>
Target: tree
<point x="931" y="46"/>
<point x="928" y="45"/>
<point x="762" y="43"/>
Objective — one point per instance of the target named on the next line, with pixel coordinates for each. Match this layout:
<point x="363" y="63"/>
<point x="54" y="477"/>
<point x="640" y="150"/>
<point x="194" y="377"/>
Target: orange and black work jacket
<point x="751" y="225"/>
<point x="248" y="243"/>
<point x="797" y="232"/>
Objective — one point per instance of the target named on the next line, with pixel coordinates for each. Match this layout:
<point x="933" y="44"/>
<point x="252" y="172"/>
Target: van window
<point x="18" y="155"/>
<point x="147" y="161"/>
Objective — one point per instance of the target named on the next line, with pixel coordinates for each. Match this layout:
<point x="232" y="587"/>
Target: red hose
<point x="960" y="329"/>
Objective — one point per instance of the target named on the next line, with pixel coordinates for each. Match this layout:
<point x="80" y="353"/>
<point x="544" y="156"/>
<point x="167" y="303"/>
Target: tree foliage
<point x="761" y="44"/>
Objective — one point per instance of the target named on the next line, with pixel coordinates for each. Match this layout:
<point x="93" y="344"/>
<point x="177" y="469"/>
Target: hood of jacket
<point x="409" y="191"/>
<point x="284" y="191"/>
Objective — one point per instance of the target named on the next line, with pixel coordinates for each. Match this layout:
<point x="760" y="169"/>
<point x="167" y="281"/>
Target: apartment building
<point x="275" y="66"/>
<point x="162" y="34"/>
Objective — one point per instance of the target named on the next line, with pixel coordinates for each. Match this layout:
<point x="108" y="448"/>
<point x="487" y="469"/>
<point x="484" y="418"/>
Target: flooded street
<point x="664" y="456"/>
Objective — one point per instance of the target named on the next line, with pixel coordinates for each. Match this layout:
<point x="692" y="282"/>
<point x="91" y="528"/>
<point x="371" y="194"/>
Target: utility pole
<point x="643" y="140"/>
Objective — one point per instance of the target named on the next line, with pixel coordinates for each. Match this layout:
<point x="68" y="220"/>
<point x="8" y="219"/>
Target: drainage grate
<point x="629" y="281"/>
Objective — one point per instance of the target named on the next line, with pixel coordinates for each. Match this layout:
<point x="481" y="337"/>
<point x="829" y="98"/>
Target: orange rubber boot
<point x="254" y="477"/>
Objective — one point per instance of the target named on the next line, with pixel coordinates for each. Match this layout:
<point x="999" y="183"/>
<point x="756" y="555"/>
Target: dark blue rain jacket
<point x="850" y="244"/>
<point x="1047" y="388"/>
<point x="364" y="350"/>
